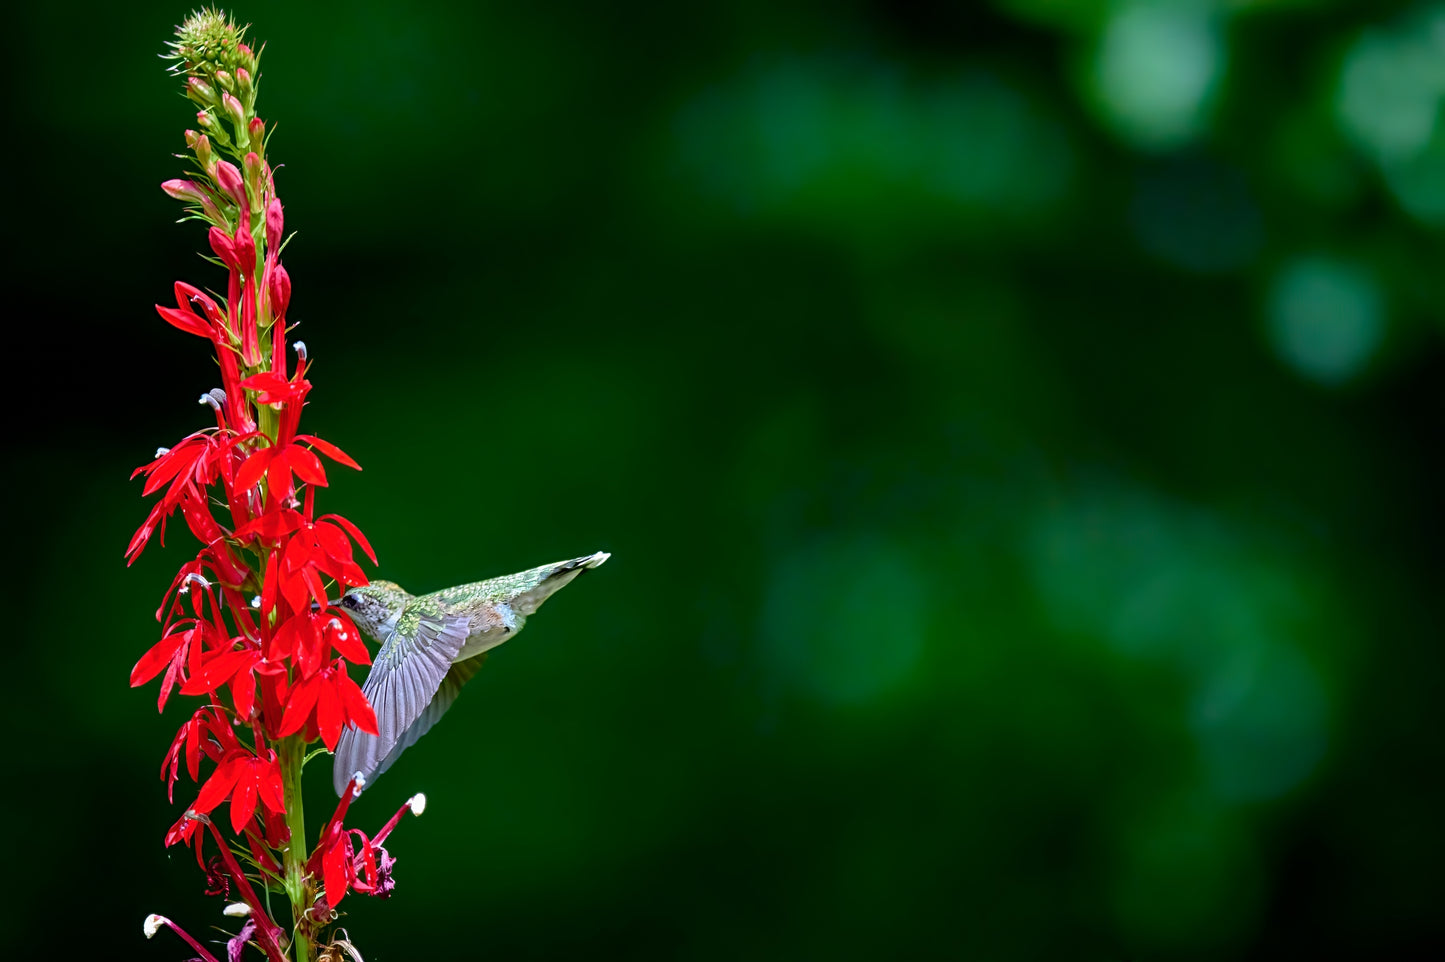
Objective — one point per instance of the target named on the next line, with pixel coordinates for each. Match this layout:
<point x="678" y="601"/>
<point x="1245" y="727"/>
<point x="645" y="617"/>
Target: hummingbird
<point x="431" y="645"/>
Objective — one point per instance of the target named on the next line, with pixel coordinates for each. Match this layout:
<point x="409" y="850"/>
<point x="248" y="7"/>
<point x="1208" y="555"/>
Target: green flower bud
<point x="200" y="91"/>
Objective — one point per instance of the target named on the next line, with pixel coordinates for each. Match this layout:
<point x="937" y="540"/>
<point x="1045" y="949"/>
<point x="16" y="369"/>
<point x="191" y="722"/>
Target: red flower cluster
<point x="248" y="624"/>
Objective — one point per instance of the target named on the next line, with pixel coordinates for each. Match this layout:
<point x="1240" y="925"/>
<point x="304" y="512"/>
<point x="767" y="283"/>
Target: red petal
<point x="219" y="785"/>
<point x="298" y="707"/>
<point x="334" y="866"/>
<point x="158" y="657"/>
<point x="313" y="581"/>
<point x="276" y="523"/>
<point x="243" y="693"/>
<point x="347" y="642"/>
<point x="358" y="709"/>
<point x="333" y="541"/>
<point x="269" y="586"/>
<point x="306" y="465"/>
<point x="216" y="670"/>
<point x="328" y="713"/>
<point x="243" y="802"/>
<point x="273" y="796"/>
<point x="253" y="468"/>
<point x="185" y="320"/>
<point x="329" y="449"/>
<point x="355" y="533"/>
<point x="193" y="750"/>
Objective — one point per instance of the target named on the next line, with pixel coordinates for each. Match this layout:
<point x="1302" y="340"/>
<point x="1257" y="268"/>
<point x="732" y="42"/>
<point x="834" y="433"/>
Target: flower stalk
<point x="249" y="626"/>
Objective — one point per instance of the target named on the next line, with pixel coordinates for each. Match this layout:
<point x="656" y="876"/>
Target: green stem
<point x="292" y="752"/>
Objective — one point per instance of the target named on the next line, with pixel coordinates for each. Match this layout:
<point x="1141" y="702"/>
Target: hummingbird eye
<point x="348" y="601"/>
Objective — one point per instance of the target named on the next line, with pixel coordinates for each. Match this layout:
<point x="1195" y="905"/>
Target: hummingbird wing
<point x="408" y="671"/>
<point x="457" y="675"/>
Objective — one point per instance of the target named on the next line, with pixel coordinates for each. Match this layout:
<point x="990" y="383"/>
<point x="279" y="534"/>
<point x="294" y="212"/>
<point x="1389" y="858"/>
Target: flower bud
<point x="230" y="180"/>
<point x="207" y="122"/>
<point x="185" y="190"/>
<point x="234" y="109"/>
<point x="225" y="80"/>
<point x="203" y="154"/>
<point x="257" y="129"/>
<point x="274" y="223"/>
<point x="243" y="81"/>
<point x="279" y="288"/>
<point x="224" y="248"/>
<point x="245" y="246"/>
<point x="253" y="179"/>
<point x="200" y="91"/>
<point x="192" y="138"/>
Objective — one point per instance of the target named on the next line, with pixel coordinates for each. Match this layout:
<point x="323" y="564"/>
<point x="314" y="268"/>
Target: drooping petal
<point x="328" y="713"/>
<point x="355" y="533"/>
<point x="336" y="864"/>
<point x="243" y="800"/>
<point x="298" y="707"/>
<point x="219" y="785"/>
<point x="329" y="449"/>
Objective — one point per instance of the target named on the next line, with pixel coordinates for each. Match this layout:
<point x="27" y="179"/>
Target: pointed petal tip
<point x="596" y="560"/>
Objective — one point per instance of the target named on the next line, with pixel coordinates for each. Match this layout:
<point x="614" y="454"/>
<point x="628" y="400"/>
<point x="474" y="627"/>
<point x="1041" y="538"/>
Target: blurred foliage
<point x="1016" y="427"/>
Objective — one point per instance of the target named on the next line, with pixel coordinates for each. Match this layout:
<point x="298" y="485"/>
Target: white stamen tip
<point x="237" y="910"/>
<point x="197" y="579"/>
<point x="360" y="781"/>
<point x="300" y="347"/>
<point x="162" y="451"/>
<point x="153" y="924"/>
<point x="207" y="399"/>
<point x="255" y="601"/>
<point x="417" y="803"/>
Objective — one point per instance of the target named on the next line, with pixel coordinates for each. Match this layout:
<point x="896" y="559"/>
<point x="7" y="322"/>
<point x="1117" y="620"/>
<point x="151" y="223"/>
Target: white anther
<point x="360" y="781"/>
<point x="300" y="347"/>
<point x="153" y="924"/>
<point x="161" y="451"/>
<point x="417" y="803"/>
<point x="194" y="578"/>
<point x="237" y="910"/>
<point x="256" y="601"/>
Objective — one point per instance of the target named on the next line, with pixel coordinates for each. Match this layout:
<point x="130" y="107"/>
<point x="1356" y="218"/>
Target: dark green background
<point x="1016" y="426"/>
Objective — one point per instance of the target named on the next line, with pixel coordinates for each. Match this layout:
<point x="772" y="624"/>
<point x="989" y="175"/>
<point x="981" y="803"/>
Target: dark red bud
<point x="245" y="246"/>
<point x="280" y="284"/>
<point x="230" y="180"/>
<point x="257" y="129"/>
<point x="274" y="223"/>
<point x="224" y="247"/>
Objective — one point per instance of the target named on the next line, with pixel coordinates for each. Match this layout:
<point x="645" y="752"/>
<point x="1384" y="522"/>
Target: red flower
<point x="243" y="778"/>
<point x="329" y="700"/>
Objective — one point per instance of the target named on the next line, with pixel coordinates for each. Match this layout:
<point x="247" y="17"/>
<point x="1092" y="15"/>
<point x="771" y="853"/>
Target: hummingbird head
<point x="376" y="604"/>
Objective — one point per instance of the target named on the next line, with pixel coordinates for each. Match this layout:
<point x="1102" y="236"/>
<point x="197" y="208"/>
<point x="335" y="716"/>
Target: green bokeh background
<point x="1017" y="428"/>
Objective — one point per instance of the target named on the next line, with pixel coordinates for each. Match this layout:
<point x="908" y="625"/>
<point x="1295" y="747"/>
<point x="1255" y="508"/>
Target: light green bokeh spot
<point x="1326" y="318"/>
